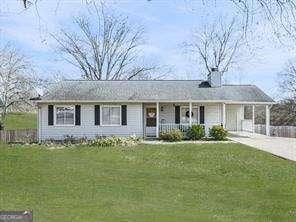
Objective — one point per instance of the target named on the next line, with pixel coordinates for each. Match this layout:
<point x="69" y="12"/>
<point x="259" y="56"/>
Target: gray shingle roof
<point x="152" y="90"/>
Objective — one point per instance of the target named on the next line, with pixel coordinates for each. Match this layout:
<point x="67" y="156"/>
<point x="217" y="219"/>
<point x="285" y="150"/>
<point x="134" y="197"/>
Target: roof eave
<point x="154" y="101"/>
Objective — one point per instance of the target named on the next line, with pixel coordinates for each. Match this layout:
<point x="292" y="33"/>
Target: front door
<point x="150" y="121"/>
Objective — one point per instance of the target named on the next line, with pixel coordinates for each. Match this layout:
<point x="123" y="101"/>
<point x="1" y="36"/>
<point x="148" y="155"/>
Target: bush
<point x="218" y="133"/>
<point x="69" y="139"/>
<point x="115" y="141"/>
<point x="172" y="136"/>
<point x="130" y="141"/>
<point x="195" y="132"/>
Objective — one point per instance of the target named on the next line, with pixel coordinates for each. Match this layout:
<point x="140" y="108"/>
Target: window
<point x="184" y="115"/>
<point x="65" y="115"/>
<point x="111" y="115"/>
<point x="151" y="117"/>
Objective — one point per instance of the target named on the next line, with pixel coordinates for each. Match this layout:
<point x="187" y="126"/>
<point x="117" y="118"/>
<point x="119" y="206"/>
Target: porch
<point x="162" y="116"/>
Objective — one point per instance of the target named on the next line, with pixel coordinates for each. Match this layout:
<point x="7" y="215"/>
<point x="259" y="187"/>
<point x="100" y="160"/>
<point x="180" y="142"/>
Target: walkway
<point x="279" y="146"/>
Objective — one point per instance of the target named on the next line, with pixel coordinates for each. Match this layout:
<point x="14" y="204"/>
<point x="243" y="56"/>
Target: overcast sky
<point x="167" y="24"/>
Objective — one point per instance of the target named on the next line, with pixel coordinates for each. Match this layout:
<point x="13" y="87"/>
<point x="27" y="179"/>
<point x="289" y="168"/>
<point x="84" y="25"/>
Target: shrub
<point x="172" y="136"/>
<point x="195" y="132"/>
<point x="107" y="141"/>
<point x="130" y="141"/>
<point x="69" y="139"/>
<point x="115" y="141"/>
<point x="218" y="133"/>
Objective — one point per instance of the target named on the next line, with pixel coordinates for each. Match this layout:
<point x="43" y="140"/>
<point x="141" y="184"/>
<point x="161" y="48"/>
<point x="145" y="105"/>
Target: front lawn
<point x="188" y="182"/>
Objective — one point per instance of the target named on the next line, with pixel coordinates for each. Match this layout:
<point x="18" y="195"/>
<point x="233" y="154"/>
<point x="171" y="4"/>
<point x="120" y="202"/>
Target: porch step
<point x="150" y="138"/>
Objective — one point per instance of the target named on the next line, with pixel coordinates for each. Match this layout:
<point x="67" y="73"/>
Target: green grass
<point x="21" y="121"/>
<point x="167" y="183"/>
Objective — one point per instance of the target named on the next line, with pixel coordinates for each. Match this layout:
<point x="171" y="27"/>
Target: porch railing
<point x="247" y="125"/>
<point x="170" y="126"/>
<point x="278" y="131"/>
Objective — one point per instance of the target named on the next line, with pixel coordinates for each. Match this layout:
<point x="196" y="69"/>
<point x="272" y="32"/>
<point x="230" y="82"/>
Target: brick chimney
<point x="215" y="78"/>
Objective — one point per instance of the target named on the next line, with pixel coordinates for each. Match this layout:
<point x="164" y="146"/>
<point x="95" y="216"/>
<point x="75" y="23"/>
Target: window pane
<point x="151" y="122"/>
<point x="115" y="116"/>
<point x="151" y="117"/>
<point x="185" y="115"/>
<point x="184" y="118"/>
<point x="105" y="116"/>
<point x="60" y="119"/>
<point x="65" y="115"/>
<point x="151" y="113"/>
<point x="111" y="115"/>
<point x="69" y="118"/>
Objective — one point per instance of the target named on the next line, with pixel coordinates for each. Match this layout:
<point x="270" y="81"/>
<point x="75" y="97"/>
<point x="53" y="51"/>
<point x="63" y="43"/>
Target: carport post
<point x="253" y="119"/>
<point x="157" y="119"/>
<point x="190" y="113"/>
<point x="224" y="115"/>
<point x="267" y="119"/>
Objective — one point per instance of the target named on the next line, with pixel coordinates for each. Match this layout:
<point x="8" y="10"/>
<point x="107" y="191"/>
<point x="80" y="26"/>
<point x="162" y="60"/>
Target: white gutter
<point x="152" y="101"/>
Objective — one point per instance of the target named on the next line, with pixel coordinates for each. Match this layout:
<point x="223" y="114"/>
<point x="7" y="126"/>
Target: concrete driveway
<point x="279" y="146"/>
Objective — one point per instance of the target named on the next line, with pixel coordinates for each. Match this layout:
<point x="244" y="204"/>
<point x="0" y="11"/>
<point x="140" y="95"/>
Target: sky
<point x="167" y="23"/>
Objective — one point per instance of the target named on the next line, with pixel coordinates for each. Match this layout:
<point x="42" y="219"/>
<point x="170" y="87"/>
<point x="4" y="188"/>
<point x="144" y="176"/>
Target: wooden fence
<point x="281" y="131"/>
<point x="18" y="136"/>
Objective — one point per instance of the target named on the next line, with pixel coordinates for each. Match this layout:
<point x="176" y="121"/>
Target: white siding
<point x="240" y="117"/>
<point x="213" y="115"/>
<point x="231" y="117"/>
<point x="166" y="113"/>
<point x="88" y="129"/>
<point x="39" y="123"/>
<point x="234" y="117"/>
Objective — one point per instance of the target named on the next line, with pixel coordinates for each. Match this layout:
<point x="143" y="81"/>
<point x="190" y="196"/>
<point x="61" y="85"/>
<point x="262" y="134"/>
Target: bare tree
<point x="280" y="13"/>
<point x="283" y="113"/>
<point x="217" y="45"/>
<point x="288" y="80"/>
<point x="25" y="3"/>
<point x="16" y="81"/>
<point x="106" y="48"/>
